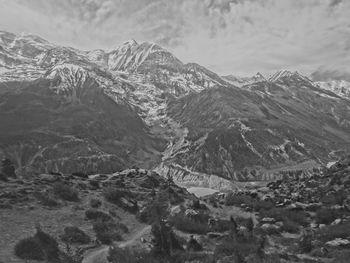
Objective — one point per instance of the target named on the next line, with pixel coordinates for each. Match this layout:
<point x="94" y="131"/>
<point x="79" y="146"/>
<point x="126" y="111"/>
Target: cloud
<point x="228" y="36"/>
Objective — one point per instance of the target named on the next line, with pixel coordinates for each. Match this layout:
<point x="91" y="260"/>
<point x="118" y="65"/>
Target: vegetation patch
<point x="328" y="233"/>
<point x="95" y="203"/>
<point x="65" y="192"/>
<point x="109" y="231"/>
<point x="29" y="249"/>
<point x="93" y="214"/>
<point x="73" y="234"/>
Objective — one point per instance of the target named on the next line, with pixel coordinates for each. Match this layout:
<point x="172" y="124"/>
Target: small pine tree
<point x="164" y="240"/>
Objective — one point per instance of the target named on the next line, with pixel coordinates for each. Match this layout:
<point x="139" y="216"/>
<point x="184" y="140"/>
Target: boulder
<point x="175" y="210"/>
<point x="336" y="222"/>
<point x="268" y="220"/>
<point x="48" y="177"/>
<point x="270" y="227"/>
<point x="338" y="242"/>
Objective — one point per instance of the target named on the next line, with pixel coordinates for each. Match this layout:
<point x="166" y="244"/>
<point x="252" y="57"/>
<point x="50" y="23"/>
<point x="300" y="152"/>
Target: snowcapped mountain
<point x="242" y="81"/>
<point x="70" y="110"/>
<point x="286" y="75"/>
<point x="339" y="87"/>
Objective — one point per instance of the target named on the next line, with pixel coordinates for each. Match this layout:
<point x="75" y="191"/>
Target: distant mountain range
<point x="62" y="109"/>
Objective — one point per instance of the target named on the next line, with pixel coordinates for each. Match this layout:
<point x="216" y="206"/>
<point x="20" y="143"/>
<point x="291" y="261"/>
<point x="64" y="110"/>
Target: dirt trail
<point x="100" y="255"/>
<point x="135" y="238"/>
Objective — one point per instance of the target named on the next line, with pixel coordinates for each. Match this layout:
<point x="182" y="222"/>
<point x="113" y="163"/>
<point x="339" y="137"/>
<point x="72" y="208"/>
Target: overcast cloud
<point x="240" y="37"/>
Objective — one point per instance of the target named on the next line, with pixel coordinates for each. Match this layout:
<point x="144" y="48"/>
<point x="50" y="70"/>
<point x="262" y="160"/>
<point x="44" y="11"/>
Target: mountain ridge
<point x="199" y="122"/>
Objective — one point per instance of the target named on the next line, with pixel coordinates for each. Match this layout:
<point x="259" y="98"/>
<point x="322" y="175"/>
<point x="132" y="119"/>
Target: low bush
<point x="290" y="226"/>
<point x="48" y="244"/>
<point x="73" y="234"/>
<point x="305" y="243"/>
<point x="341" y="257"/>
<point x="328" y="233"/>
<point x="285" y="215"/>
<point x="113" y="195"/>
<point x="47" y="199"/>
<point x="222" y="226"/>
<point x="3" y="177"/>
<point x="118" y="255"/>
<point x="95" y="203"/>
<point x="94" y="183"/>
<point x="239" y="248"/>
<point x="333" y="199"/>
<point x="109" y="231"/>
<point x="93" y="214"/>
<point x="237" y="200"/>
<point x="65" y="192"/>
<point x="326" y="215"/>
<point x="29" y="249"/>
<point x="260" y="204"/>
<point x="188" y="225"/>
<point x="39" y="247"/>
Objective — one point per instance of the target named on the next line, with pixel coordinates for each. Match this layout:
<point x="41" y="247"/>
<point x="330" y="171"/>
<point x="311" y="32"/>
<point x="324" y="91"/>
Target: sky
<point x="239" y="37"/>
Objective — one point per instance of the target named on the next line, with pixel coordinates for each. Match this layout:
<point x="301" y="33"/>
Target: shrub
<point x="108" y="231"/>
<point x="65" y="192"/>
<point x="290" y="226"/>
<point x="3" y="177"/>
<point x="48" y="244"/>
<point x="237" y="200"/>
<point x="237" y="247"/>
<point x="40" y="247"/>
<point x="185" y="224"/>
<point x="29" y="249"/>
<point x="47" y="199"/>
<point x="285" y="215"/>
<point x="222" y="226"/>
<point x="326" y="215"/>
<point x="73" y="234"/>
<point x="334" y="199"/>
<point x="95" y="203"/>
<point x="332" y="232"/>
<point x="94" y="183"/>
<point x="164" y="239"/>
<point x="341" y="257"/>
<point x="8" y="168"/>
<point x="118" y="255"/>
<point x="260" y="204"/>
<point x="305" y="243"/>
<point x="93" y="214"/>
<point x="113" y="195"/>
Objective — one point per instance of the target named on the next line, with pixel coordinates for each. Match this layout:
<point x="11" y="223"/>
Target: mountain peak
<point x="130" y="42"/>
<point x="259" y="77"/>
<point x="287" y="74"/>
<point x="281" y="74"/>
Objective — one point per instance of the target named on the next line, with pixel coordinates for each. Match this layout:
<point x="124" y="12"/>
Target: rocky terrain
<point x="57" y="203"/>
<point x="296" y="219"/>
<point x="68" y="110"/>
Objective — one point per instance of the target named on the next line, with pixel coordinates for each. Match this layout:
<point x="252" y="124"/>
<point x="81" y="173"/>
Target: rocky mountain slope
<point x="70" y="110"/>
<point x="339" y="87"/>
<point x="241" y="133"/>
